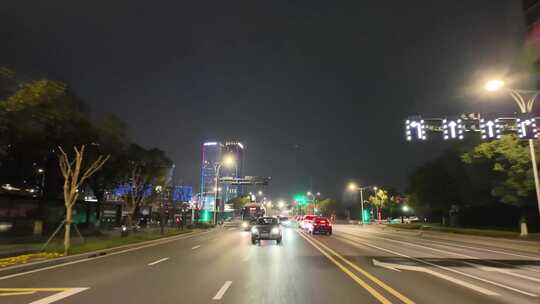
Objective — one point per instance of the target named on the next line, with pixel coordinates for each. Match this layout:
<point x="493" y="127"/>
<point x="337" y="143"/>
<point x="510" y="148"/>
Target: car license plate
<point x="265" y="235"/>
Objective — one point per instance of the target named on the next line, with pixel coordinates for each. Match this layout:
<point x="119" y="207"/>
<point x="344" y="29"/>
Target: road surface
<point x="354" y="265"/>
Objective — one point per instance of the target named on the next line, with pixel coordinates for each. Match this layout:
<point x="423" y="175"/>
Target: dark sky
<point x="317" y="90"/>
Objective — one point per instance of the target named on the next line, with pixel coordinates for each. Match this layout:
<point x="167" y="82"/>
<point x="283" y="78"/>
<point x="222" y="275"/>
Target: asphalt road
<point x="355" y="265"/>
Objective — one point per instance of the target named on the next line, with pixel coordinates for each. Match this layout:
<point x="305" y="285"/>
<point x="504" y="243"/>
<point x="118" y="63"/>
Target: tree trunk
<point x="523" y="229"/>
<point x="67" y="230"/>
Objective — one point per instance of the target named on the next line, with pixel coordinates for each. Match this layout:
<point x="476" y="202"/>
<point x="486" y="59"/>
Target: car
<point x="266" y="228"/>
<point x="283" y="220"/>
<point x="320" y="225"/>
<point x="306" y="220"/>
<point x="247" y="224"/>
<point x="405" y="220"/>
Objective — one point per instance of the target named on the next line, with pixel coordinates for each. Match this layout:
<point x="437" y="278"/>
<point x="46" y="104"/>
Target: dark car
<point x="320" y="225"/>
<point x="266" y="228"/>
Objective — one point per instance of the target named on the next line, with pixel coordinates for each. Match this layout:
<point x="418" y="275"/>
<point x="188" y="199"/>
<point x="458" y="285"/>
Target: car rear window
<point x="267" y="221"/>
<point x="309" y="217"/>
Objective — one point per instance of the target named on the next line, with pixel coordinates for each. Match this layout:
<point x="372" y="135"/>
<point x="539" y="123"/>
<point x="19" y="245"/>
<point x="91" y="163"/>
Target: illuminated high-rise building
<point x="236" y="150"/>
<point x="211" y="157"/>
<point x="212" y="154"/>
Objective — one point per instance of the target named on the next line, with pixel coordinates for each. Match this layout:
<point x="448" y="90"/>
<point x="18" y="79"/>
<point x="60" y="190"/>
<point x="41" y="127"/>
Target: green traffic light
<point x="366" y="217"/>
<point x="301" y="199"/>
<point x="205" y="217"/>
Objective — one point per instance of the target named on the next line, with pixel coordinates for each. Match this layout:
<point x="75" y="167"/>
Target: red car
<point x="320" y="225"/>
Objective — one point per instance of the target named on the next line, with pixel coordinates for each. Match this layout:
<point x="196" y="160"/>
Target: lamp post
<point x="314" y="199"/>
<point x="353" y="188"/>
<point x="228" y="161"/>
<point x="525" y="106"/>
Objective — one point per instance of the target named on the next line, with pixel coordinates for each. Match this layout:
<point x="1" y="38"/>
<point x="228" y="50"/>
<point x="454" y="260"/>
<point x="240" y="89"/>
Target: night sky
<point x="316" y="90"/>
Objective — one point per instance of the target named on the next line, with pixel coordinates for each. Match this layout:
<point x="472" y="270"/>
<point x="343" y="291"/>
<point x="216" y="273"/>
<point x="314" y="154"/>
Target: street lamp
<point x="281" y="204"/>
<point x="228" y="161"/>
<point x="42" y="182"/>
<point x="353" y="188"/>
<point x="260" y="193"/>
<point x="526" y="107"/>
<point x="314" y="200"/>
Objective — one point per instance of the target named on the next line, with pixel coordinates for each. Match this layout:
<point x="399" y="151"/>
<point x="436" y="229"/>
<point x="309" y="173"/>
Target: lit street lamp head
<point x="494" y="85"/>
<point x="352" y="187"/>
<point x="228" y="161"/>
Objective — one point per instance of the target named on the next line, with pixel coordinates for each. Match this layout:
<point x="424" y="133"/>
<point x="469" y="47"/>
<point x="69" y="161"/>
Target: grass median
<point x="90" y="244"/>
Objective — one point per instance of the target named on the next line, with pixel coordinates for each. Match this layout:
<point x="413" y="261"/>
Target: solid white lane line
<point x="195" y="247"/>
<point x="222" y="290"/>
<point x="449" y="244"/>
<point x="58" y="296"/>
<point x="451" y="252"/>
<point x="356" y="242"/>
<point x="424" y="247"/>
<point x="9" y="276"/>
<point x="158" y="261"/>
<point x="505" y="271"/>
<point x="397" y="267"/>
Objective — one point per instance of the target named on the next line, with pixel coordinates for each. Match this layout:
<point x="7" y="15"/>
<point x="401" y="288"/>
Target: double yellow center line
<point x="332" y="255"/>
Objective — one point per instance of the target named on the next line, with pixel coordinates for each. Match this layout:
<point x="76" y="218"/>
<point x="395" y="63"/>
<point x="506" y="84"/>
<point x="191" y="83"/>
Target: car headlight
<point x="275" y="230"/>
<point x="254" y="230"/>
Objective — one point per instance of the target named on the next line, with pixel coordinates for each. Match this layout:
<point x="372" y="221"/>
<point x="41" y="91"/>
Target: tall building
<point x="236" y="149"/>
<point x="211" y="157"/>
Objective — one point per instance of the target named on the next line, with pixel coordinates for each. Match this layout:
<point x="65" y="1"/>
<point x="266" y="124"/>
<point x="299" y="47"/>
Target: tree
<point x="146" y="168"/>
<point x="37" y="117"/>
<point x="239" y="202"/>
<point x="328" y="207"/>
<point x="379" y="199"/>
<point x="511" y="168"/>
<point x="112" y="140"/>
<point x="446" y="181"/>
<point x="71" y="170"/>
